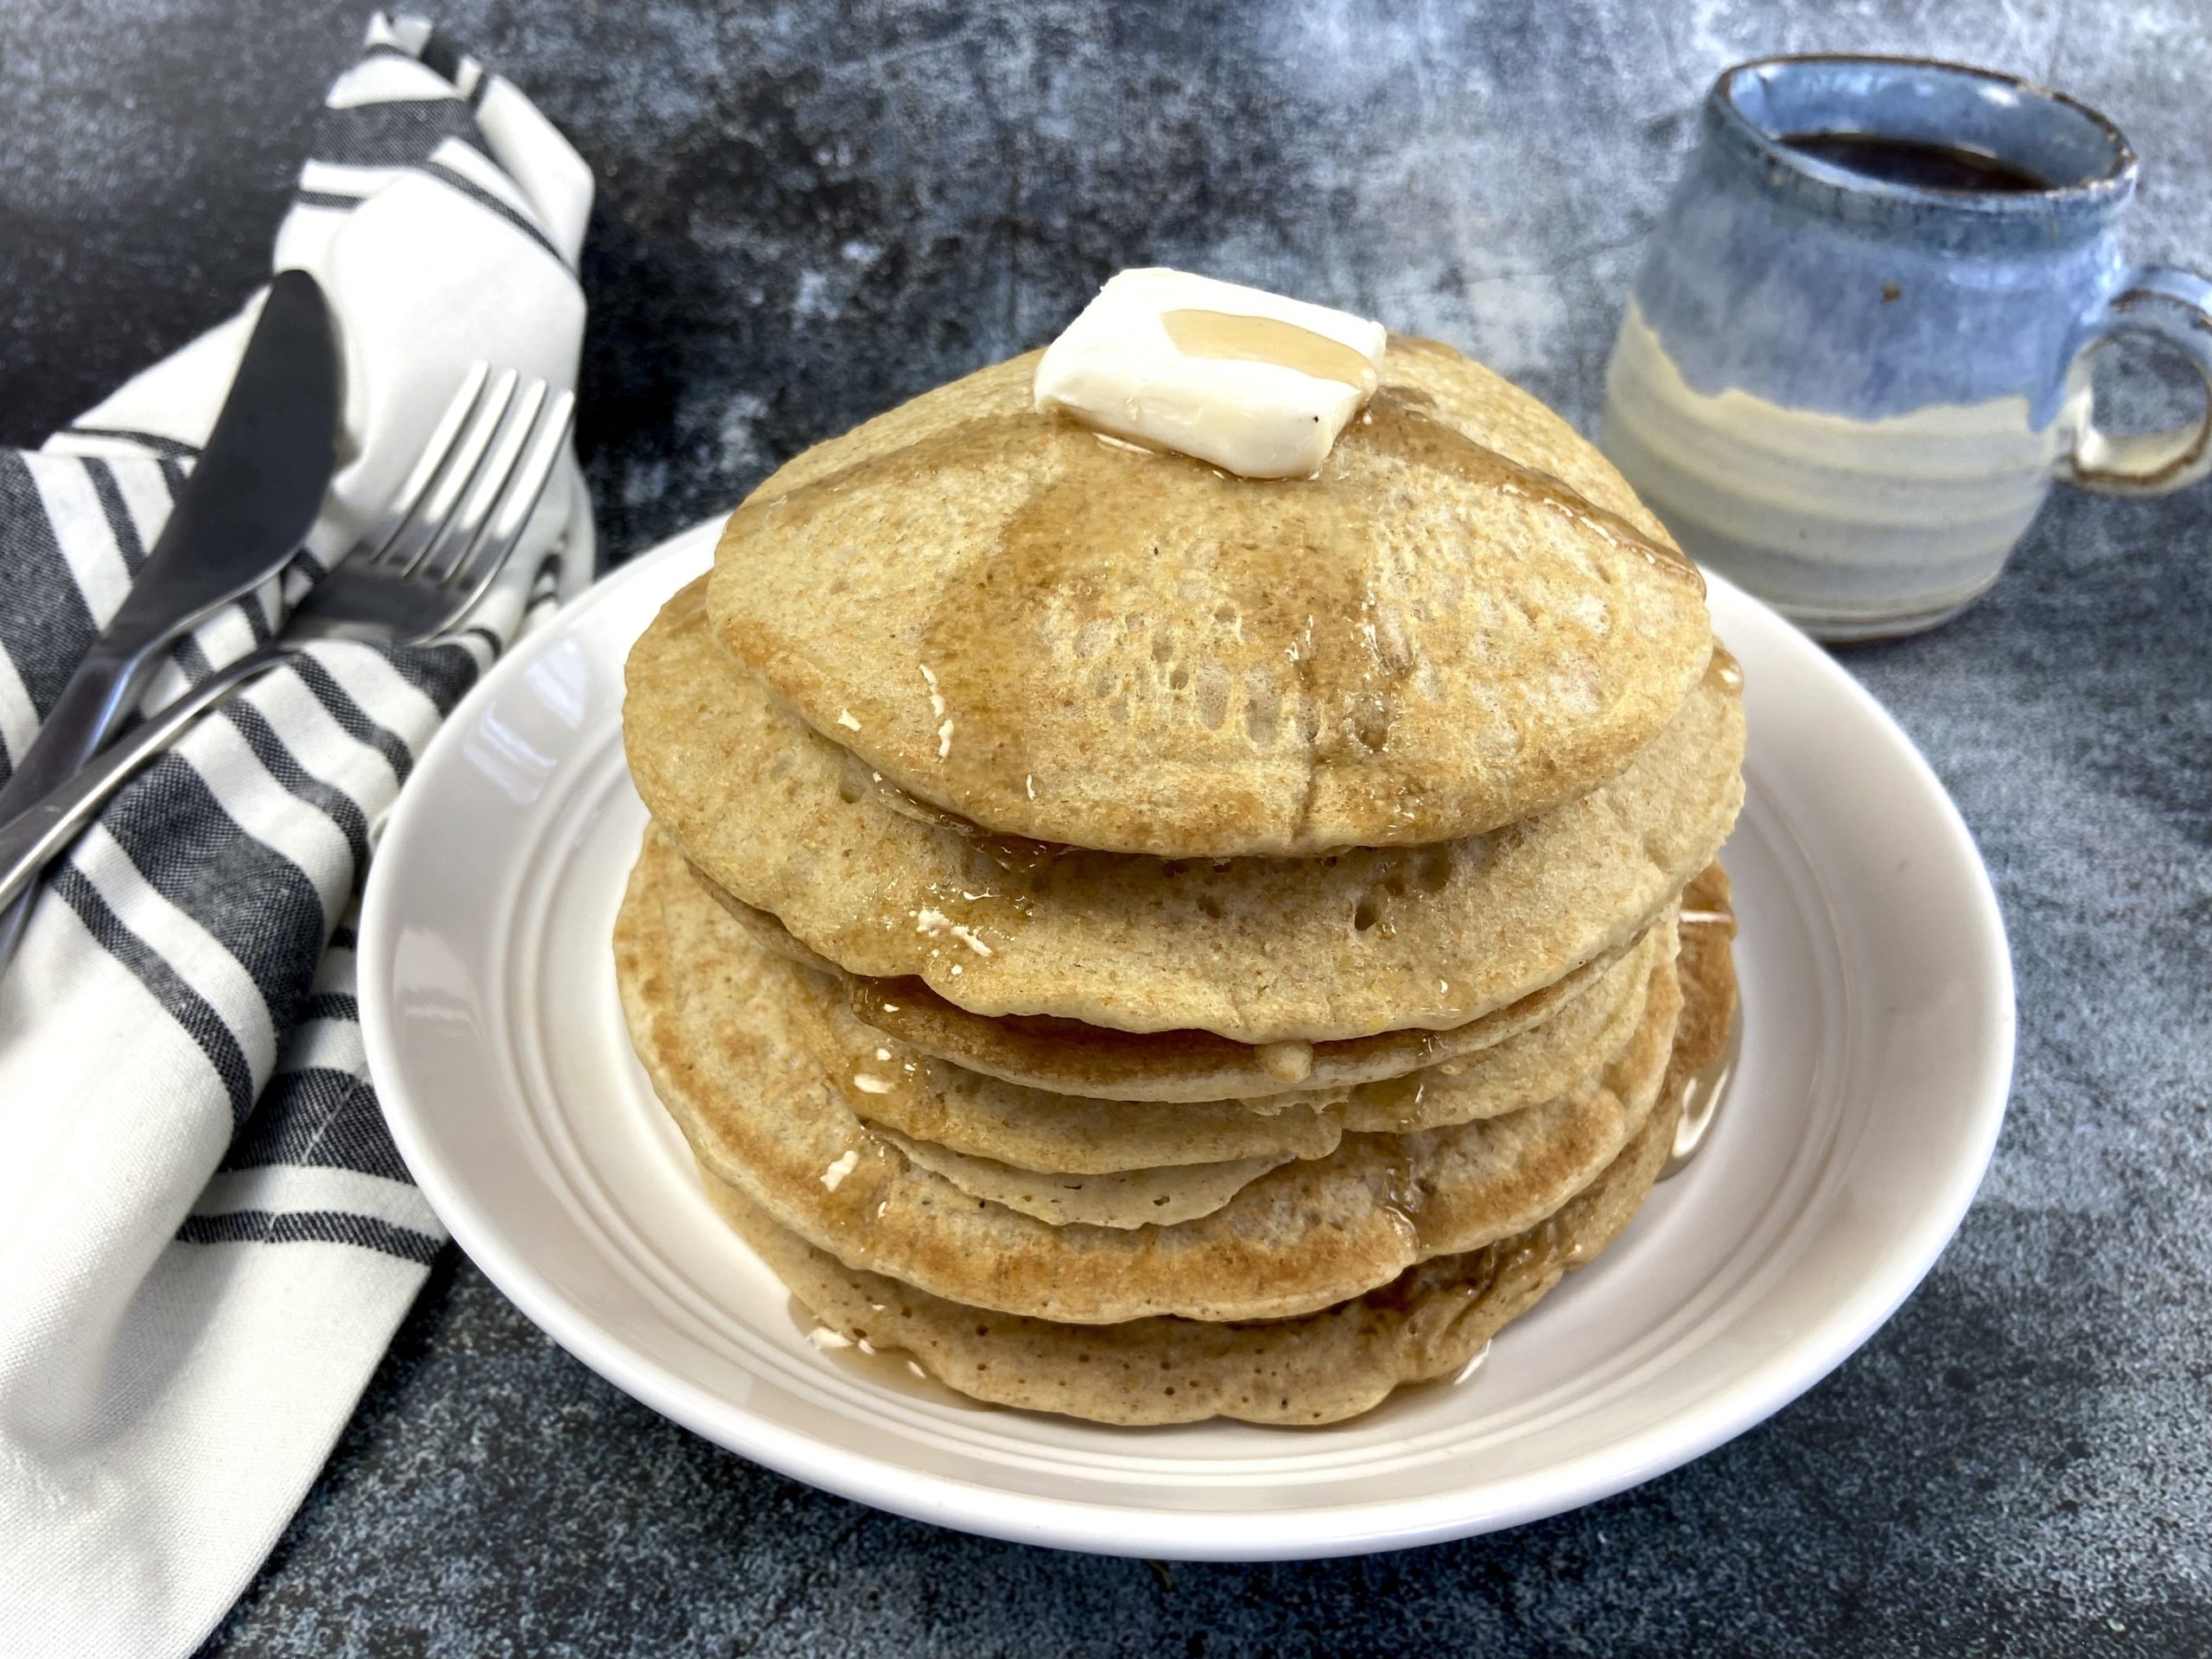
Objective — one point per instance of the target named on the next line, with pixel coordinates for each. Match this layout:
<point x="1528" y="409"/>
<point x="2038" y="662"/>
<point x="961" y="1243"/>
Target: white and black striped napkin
<point x="207" y="1238"/>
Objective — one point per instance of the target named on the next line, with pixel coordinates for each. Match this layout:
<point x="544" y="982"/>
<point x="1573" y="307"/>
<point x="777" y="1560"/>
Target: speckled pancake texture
<point x="1153" y="945"/>
<point x="1465" y="618"/>
<point x="915" y="1094"/>
<point x="1255" y="950"/>
<point x="1066" y="1056"/>
<point x="728" y="1034"/>
<point x="1428" y="1322"/>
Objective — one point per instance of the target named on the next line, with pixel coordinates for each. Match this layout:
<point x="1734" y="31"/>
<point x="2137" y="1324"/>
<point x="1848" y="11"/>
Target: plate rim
<point x="1195" y="1534"/>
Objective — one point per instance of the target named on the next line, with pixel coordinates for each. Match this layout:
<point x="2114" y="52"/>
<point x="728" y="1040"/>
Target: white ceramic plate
<point x="1877" y="1049"/>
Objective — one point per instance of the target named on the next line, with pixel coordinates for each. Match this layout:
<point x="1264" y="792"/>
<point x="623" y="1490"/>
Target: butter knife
<point x="251" y="500"/>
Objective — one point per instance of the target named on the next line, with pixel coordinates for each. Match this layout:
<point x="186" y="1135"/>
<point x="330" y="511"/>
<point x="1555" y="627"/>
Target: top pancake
<point x="1464" y="619"/>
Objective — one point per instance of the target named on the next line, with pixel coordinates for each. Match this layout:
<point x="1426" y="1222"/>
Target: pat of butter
<point x="1256" y="383"/>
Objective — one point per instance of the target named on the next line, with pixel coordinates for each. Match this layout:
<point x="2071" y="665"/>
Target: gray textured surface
<point x="809" y="213"/>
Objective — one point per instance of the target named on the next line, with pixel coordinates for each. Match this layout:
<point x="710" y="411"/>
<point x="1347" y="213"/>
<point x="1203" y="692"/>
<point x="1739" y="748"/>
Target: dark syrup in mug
<point x="1914" y="162"/>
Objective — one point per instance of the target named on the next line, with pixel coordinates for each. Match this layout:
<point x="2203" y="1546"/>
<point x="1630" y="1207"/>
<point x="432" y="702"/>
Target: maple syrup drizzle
<point x="1229" y="334"/>
<point x="1702" y="1100"/>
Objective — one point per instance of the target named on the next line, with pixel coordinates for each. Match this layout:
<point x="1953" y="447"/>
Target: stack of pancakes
<point x="1152" y="944"/>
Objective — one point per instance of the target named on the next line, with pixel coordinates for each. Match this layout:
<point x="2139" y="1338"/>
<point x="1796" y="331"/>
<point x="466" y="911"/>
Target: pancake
<point x="1257" y="950"/>
<point x="1708" y="924"/>
<point x="1036" y="1131"/>
<point x="1323" y="1368"/>
<point x="1030" y="1153"/>
<point x="731" y="1041"/>
<point x="982" y="1117"/>
<point x="1462" y="620"/>
<point x="1128" y="1197"/>
<point x="1553" y="1059"/>
<point x="1065" y="1056"/>
<point x="758" y="924"/>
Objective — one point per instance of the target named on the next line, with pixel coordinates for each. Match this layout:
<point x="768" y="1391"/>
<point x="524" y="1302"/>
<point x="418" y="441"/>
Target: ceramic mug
<point x="1858" y="354"/>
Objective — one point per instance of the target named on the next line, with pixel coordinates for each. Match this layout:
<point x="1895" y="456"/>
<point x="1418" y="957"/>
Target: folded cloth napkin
<point x="206" y="1236"/>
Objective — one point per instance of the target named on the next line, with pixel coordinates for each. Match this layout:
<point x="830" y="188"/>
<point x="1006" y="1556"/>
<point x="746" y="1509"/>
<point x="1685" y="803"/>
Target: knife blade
<point x="251" y="500"/>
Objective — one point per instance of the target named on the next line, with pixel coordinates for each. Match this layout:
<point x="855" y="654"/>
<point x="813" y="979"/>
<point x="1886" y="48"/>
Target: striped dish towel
<point x="208" y="1238"/>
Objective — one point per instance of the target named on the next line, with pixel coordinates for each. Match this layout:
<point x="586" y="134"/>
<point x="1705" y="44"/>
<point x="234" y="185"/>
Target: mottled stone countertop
<point x="809" y="211"/>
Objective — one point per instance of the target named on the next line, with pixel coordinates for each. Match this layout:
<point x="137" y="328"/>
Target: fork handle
<point x="32" y="838"/>
<point x="96" y="698"/>
<point x="112" y="676"/>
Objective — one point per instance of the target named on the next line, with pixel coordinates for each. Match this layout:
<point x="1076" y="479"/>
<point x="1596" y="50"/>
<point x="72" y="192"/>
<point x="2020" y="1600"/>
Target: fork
<point x="429" y="557"/>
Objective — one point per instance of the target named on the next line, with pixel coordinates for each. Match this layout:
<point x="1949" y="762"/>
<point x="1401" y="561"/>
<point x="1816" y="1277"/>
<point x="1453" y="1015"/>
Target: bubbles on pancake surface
<point x="1131" y="649"/>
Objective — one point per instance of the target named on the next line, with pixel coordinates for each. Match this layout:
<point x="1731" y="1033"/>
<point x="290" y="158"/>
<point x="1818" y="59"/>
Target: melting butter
<point x="1257" y="384"/>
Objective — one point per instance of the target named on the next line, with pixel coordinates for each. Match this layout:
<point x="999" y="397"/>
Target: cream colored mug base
<point x="1854" y="529"/>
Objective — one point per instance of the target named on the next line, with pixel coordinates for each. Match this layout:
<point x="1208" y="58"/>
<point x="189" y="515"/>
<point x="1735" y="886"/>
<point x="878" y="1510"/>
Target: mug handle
<point x="2176" y="307"/>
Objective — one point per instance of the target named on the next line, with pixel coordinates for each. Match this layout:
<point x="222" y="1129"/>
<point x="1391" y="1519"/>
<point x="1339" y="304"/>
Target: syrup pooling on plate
<point x="884" y="1365"/>
<point x="1708" y="924"/>
<point x="1411" y="1396"/>
<point x="1701" y="1101"/>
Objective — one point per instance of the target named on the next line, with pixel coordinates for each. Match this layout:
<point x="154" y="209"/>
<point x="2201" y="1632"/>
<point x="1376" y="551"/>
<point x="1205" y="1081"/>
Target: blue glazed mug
<point x="1858" y="353"/>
